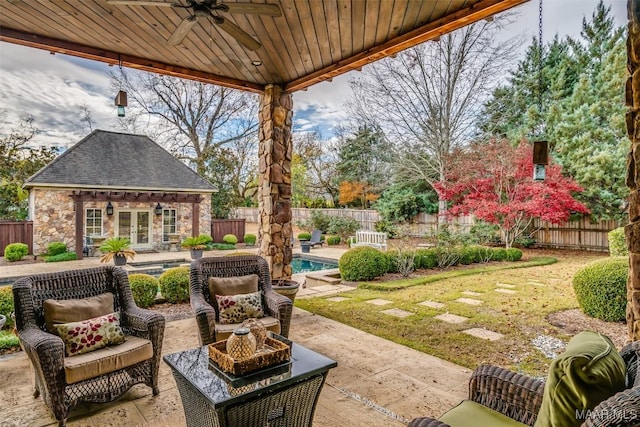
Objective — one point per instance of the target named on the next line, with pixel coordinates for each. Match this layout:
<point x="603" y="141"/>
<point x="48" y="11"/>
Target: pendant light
<point x="540" y="147"/>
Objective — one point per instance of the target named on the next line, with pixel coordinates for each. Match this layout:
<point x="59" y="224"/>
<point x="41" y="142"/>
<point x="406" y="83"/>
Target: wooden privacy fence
<point x="579" y="234"/>
<point x="16" y="232"/>
<point x="220" y="227"/>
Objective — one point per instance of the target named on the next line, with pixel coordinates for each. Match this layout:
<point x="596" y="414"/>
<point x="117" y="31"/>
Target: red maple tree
<point x="494" y="182"/>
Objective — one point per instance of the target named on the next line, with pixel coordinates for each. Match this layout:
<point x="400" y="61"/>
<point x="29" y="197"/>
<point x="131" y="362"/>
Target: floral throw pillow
<point x="238" y="308"/>
<point x="91" y="334"/>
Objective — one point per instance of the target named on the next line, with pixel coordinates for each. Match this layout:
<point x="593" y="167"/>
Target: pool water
<point x="301" y="265"/>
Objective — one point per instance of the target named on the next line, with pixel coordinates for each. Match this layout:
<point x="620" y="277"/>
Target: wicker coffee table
<point x="283" y="395"/>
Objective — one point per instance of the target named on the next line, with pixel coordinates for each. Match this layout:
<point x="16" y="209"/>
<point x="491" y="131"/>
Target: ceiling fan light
<point x="256" y="62"/>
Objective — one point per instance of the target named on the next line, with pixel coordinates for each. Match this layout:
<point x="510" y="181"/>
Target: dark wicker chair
<point x="274" y="304"/>
<point x="46" y="350"/>
<point x="519" y="397"/>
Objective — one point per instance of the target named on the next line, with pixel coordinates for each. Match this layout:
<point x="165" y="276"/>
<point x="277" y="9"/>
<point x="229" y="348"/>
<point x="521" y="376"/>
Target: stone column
<point x="632" y="230"/>
<point x="274" y="189"/>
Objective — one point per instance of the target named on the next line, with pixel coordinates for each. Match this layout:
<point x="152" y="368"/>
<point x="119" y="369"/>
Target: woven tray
<point x="272" y="353"/>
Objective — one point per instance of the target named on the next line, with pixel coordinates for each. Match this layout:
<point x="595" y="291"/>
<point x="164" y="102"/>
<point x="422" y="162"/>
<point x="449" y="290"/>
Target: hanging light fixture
<point x="158" y="209"/>
<point x="109" y="209"/>
<point x="541" y="147"/>
<point x="121" y="97"/>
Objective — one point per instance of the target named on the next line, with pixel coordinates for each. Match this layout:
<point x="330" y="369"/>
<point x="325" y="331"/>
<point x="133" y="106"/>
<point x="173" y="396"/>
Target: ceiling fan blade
<point x="237" y="33"/>
<point x="140" y="3"/>
<point x="181" y="32"/>
<point x="253" y="8"/>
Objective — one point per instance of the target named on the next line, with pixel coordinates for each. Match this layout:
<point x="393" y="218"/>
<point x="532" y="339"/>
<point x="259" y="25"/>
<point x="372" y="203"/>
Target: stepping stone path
<point x="337" y="299"/>
<point x="536" y="284"/>
<point x="505" y="285"/>
<point x="470" y="301"/>
<point x="484" y="334"/>
<point x="397" y="312"/>
<point x="451" y="318"/>
<point x="432" y="304"/>
<point x="379" y="301"/>
<point x="506" y="291"/>
<point x="471" y="293"/>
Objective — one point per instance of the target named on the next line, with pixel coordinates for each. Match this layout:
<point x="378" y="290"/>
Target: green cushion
<point x="472" y="414"/>
<point x="588" y="372"/>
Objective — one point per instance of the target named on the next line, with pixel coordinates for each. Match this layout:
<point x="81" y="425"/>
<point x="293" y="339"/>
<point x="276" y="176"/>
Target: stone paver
<point x="432" y="304"/>
<point x="338" y="299"/>
<point x="379" y="301"/>
<point x="484" y="334"/>
<point x="397" y="312"/>
<point x="469" y="301"/>
<point x="505" y="285"/>
<point x="323" y="288"/>
<point x="472" y="293"/>
<point x="451" y="318"/>
<point x="506" y="291"/>
<point x="536" y="284"/>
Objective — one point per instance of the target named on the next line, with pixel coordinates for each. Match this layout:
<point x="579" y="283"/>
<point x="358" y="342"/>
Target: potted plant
<point x="118" y="249"/>
<point x="196" y="245"/>
<point x="286" y="287"/>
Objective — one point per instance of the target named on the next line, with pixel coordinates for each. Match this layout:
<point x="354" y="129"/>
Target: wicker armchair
<point x="204" y="306"/>
<point x="519" y="397"/>
<point x="46" y="351"/>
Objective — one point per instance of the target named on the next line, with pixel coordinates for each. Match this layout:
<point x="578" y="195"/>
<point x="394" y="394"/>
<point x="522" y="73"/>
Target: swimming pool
<point x="305" y="265"/>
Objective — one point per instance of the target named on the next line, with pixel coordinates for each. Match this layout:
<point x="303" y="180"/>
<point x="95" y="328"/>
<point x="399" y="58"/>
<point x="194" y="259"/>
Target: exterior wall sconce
<point x="121" y="102"/>
<point x="158" y="209"/>
<point x="109" y="209"/>
<point x="540" y="159"/>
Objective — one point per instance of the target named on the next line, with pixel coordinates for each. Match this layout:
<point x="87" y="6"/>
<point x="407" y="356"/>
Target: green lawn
<point x="520" y="317"/>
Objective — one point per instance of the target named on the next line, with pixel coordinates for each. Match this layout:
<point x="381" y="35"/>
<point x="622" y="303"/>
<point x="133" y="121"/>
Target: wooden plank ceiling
<point x="312" y="40"/>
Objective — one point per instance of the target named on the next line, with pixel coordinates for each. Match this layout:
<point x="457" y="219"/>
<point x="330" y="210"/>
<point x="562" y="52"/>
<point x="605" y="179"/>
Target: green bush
<point x="320" y="221"/>
<point x="617" y="242"/>
<point x="56" y="248"/>
<point x="426" y="258"/>
<point x="484" y="233"/>
<point x="333" y="240"/>
<point x="222" y="246"/>
<point x="65" y="256"/>
<point x="363" y="263"/>
<point x="8" y="340"/>
<point x="384" y="226"/>
<point x="513" y="254"/>
<point x="601" y="288"/>
<point x="304" y="236"/>
<point x="392" y="260"/>
<point x="343" y="227"/>
<point x="15" y="251"/>
<point x="6" y="304"/>
<point x="525" y="241"/>
<point x="250" y="239"/>
<point x="144" y="288"/>
<point x="230" y="239"/>
<point x="467" y="255"/>
<point x="498" y="254"/>
<point x="174" y="284"/>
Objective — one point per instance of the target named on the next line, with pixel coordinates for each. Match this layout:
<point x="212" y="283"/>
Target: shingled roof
<point x="122" y="161"/>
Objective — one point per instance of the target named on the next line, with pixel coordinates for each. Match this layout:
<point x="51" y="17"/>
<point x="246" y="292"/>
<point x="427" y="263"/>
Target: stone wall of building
<point x="632" y="230"/>
<point x="53" y="219"/>
<point x="274" y="189"/>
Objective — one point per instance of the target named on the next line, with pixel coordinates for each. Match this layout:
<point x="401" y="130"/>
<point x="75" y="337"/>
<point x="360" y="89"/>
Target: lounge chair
<point x="316" y="239"/>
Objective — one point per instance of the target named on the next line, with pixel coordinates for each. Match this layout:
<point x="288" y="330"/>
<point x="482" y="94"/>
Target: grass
<point x="520" y="317"/>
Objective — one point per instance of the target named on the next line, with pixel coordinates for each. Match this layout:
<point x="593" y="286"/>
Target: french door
<point x="136" y="225"/>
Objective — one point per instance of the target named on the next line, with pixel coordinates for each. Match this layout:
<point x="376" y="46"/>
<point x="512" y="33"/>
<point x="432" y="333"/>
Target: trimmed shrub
<point x="15" y="251"/>
<point x="6" y="305"/>
<point x="513" y="254"/>
<point x="333" y="240"/>
<point x="174" y="284"/>
<point x="56" y="248"/>
<point x="617" y="242"/>
<point x="498" y="254"/>
<point x="363" y="263"/>
<point x="304" y="236"/>
<point x="467" y="255"/>
<point x="144" y="288"/>
<point x="222" y="246"/>
<point x="392" y="260"/>
<point x="250" y="239"/>
<point x="426" y="258"/>
<point x="230" y="239"/>
<point x="65" y="256"/>
<point x="601" y="288"/>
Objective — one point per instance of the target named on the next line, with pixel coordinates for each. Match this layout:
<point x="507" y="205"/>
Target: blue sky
<point x="53" y="88"/>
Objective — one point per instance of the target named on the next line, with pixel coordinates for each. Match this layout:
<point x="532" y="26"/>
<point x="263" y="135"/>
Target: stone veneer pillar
<point x="632" y="230"/>
<point x="274" y="189"/>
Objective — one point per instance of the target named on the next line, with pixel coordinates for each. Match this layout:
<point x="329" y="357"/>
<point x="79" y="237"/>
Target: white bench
<point x="374" y="239"/>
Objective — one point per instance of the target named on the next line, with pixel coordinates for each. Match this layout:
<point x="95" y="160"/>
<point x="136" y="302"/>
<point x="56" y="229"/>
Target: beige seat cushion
<point x="108" y="359"/>
<point x="233" y="285"/>
<point x="75" y="310"/>
<point x="224" y="331"/>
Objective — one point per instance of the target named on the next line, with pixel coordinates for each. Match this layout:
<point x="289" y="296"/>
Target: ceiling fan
<point x="211" y="9"/>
